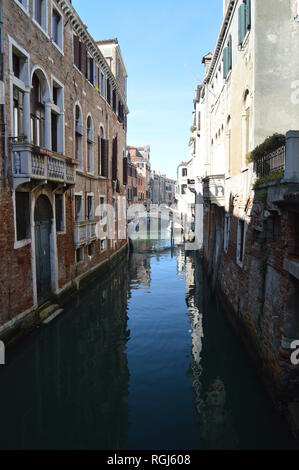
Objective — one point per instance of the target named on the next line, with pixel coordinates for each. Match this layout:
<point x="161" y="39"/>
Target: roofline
<point x="221" y="37"/>
<point x="81" y="30"/>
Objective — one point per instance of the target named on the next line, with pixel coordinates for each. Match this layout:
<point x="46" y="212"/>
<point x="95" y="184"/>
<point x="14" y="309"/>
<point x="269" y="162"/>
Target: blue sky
<point x="162" y="43"/>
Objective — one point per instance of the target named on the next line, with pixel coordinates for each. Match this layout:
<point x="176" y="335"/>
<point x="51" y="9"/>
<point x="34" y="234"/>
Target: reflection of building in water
<point x="216" y="428"/>
<point x="140" y="270"/>
<point x="216" y="423"/>
<point x="180" y="260"/>
<point x="82" y="354"/>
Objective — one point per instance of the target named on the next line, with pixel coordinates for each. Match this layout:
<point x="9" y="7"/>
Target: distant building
<point x="132" y="190"/>
<point x="141" y="157"/>
<point x="185" y="194"/>
<point x="163" y="189"/>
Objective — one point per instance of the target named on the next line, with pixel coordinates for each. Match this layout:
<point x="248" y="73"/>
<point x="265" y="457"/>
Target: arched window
<point x="37" y="107"/>
<point x="89" y="129"/>
<point x="78" y="136"/>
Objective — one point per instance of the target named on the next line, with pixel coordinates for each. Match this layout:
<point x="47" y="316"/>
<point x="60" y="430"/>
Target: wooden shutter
<point x="99" y="155"/>
<point x="83" y="59"/>
<point x="114" y="159"/>
<point x="104" y="157"/>
<point x="76" y="52"/>
<point x="125" y="171"/>
<point x="248" y="14"/>
<point x="230" y="53"/>
<point x="225" y="62"/>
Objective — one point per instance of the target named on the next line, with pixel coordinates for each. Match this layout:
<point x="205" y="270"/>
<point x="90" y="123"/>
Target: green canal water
<point x="142" y="360"/>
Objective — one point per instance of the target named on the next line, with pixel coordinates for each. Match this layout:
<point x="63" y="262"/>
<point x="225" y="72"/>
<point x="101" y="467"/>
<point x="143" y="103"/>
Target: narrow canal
<point x="143" y="360"/>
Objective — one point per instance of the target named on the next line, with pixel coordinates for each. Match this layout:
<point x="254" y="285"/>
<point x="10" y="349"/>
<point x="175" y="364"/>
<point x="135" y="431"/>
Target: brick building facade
<point x="62" y="153"/>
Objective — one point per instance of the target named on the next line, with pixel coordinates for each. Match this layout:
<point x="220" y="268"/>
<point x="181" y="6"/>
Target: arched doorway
<point x="43" y="216"/>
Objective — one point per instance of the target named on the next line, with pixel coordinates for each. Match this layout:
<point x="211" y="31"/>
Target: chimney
<point x="206" y="60"/>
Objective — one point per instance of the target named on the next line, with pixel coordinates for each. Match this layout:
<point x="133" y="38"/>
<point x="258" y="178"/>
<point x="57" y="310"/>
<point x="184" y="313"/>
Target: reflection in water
<point x="66" y="387"/>
<point x="120" y="369"/>
<point x="216" y="427"/>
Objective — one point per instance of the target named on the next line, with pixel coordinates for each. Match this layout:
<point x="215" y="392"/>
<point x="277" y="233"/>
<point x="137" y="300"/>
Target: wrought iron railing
<point x="274" y="162"/>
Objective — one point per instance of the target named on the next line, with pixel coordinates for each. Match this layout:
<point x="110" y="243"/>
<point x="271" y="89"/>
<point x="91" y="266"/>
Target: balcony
<point x="273" y="162"/>
<point x="85" y="232"/>
<point x="213" y="190"/>
<point x="31" y="163"/>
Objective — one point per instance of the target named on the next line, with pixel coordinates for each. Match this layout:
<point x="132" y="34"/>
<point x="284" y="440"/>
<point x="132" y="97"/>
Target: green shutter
<point x="225" y="62"/>
<point x="242" y="23"/>
<point x="248" y="14"/>
<point x="230" y="52"/>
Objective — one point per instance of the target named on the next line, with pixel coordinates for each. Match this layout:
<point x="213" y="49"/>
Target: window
<point x="80" y="55"/>
<point x="108" y="91"/>
<point x="24" y="4"/>
<point x="80" y="254"/>
<point x="78" y="137"/>
<point x="114" y="159"/>
<point x="37" y="113"/>
<point x="241" y="241"/>
<point x="184" y="172"/>
<point x="40" y="13"/>
<point x="90" y="207"/>
<point x="78" y="208"/>
<point x="54" y="135"/>
<point x="102" y="84"/>
<point x="91" y="70"/>
<point x="90" y="168"/>
<point x="57" y="28"/>
<point x="244" y="20"/>
<point x="227" y="57"/>
<point x="18" y="98"/>
<point x="184" y="189"/>
<point x="114" y="100"/>
<point x="59" y="211"/>
<point x="22" y="216"/>
<point x="16" y="66"/>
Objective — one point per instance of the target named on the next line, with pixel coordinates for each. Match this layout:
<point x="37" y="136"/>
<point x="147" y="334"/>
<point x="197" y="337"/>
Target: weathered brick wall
<point x="258" y="291"/>
<point x="15" y="267"/>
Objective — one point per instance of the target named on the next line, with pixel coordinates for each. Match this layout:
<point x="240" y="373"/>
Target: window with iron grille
<point x="22" y="216"/>
<point x="59" y="212"/>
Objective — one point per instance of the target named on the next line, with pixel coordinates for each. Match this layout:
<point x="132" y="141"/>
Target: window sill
<point x="21" y="244"/>
<point x="25" y="10"/>
<point x="60" y="49"/>
<point x="245" y="40"/>
<point x="45" y="32"/>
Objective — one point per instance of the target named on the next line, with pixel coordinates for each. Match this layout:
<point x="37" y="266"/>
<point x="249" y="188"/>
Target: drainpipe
<point x="3" y="108"/>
